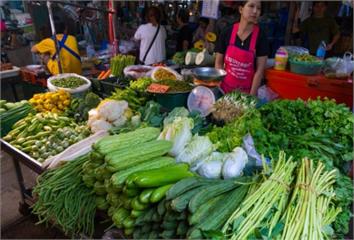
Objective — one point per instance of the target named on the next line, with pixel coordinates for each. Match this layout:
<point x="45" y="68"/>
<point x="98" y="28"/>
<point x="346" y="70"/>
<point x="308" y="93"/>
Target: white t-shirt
<point x="145" y="34"/>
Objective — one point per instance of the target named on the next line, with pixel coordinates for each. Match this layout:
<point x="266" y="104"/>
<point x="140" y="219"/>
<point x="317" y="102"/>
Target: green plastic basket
<point x="172" y="100"/>
<point x="305" y="68"/>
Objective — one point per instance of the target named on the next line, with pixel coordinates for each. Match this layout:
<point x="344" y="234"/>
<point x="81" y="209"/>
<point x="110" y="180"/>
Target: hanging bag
<point x="152" y="42"/>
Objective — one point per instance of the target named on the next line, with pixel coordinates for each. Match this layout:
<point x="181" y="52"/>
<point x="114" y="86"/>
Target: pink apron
<point x="239" y="63"/>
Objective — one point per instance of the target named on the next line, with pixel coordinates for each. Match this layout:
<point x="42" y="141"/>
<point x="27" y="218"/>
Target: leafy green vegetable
<point x="176" y="112"/>
<point x="231" y="135"/>
<point x="317" y="129"/>
<point x="151" y="114"/>
<point x="79" y="107"/>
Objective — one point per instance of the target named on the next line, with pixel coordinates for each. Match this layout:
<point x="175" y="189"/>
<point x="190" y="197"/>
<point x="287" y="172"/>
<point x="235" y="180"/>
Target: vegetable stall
<point x="157" y="163"/>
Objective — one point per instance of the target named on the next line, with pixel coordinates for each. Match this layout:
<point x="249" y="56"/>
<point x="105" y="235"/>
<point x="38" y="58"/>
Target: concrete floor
<point x="13" y="224"/>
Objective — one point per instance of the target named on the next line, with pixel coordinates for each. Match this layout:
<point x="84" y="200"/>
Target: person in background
<point x="242" y="51"/>
<point x="228" y="18"/>
<point x="184" y="37"/>
<point x="146" y="33"/>
<point x="319" y="27"/>
<point x="70" y="60"/>
<point x="203" y="28"/>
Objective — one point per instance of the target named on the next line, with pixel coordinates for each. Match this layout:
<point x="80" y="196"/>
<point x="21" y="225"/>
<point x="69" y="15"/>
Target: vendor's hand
<point x="329" y="47"/>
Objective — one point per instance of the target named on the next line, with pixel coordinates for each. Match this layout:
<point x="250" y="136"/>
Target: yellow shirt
<point x="69" y="63"/>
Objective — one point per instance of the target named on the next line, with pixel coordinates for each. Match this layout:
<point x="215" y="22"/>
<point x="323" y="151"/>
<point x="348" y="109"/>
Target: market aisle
<point x="10" y="198"/>
<point x="10" y="193"/>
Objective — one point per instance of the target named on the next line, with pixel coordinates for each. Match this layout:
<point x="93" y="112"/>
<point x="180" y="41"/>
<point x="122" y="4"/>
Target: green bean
<point x="64" y="198"/>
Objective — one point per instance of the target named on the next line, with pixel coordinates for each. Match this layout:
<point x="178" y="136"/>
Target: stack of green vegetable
<point x="79" y="107"/>
<point x="116" y="157"/>
<point x="10" y="113"/>
<point x="63" y="199"/>
<point x="192" y="207"/>
<point x="144" y="189"/>
<point x="45" y="134"/>
<point x="119" y="62"/>
<point x="317" y="129"/>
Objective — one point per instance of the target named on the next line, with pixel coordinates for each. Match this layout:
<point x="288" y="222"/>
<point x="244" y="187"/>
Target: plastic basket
<point x="79" y="92"/>
<point x="172" y="100"/>
<point x="305" y="68"/>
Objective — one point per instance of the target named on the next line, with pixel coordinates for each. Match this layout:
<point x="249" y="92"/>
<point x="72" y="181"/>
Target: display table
<point x="289" y="85"/>
<point x="11" y="78"/>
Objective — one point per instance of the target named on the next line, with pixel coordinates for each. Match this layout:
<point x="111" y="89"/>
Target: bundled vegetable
<point x="313" y="191"/>
<point x="54" y="102"/>
<point x="45" y="134"/>
<point x="264" y="207"/>
<point x="119" y="62"/>
<point x="13" y="115"/>
<point x="63" y="197"/>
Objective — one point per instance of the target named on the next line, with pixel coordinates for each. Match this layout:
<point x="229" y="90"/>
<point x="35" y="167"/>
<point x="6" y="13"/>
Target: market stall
<point x="300" y="75"/>
<point x="163" y="157"/>
<point x="160" y="152"/>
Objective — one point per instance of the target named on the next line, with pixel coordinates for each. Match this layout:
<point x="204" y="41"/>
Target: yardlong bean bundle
<point x="64" y="199"/>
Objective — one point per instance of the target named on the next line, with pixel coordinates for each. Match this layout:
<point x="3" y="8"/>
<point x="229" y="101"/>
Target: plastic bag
<point x="294" y="50"/>
<point x="265" y="94"/>
<point x="339" y="67"/>
<point x="254" y="158"/>
<point x="138" y="71"/>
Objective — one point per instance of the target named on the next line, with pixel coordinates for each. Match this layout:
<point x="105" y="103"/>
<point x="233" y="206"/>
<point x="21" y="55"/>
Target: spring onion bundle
<point x="310" y="211"/>
<point x="64" y="199"/>
<point x="263" y="207"/>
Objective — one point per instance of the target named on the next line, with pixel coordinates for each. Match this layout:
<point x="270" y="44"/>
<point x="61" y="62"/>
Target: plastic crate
<point x="172" y="100"/>
<point x="292" y="86"/>
<point x="106" y="86"/>
<point x="305" y="68"/>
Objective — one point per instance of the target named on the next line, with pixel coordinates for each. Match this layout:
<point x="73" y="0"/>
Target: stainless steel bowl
<point x="208" y="74"/>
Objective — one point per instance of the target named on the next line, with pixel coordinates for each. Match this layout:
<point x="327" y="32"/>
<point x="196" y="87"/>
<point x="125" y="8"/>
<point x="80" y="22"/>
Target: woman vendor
<point x="242" y="51"/>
